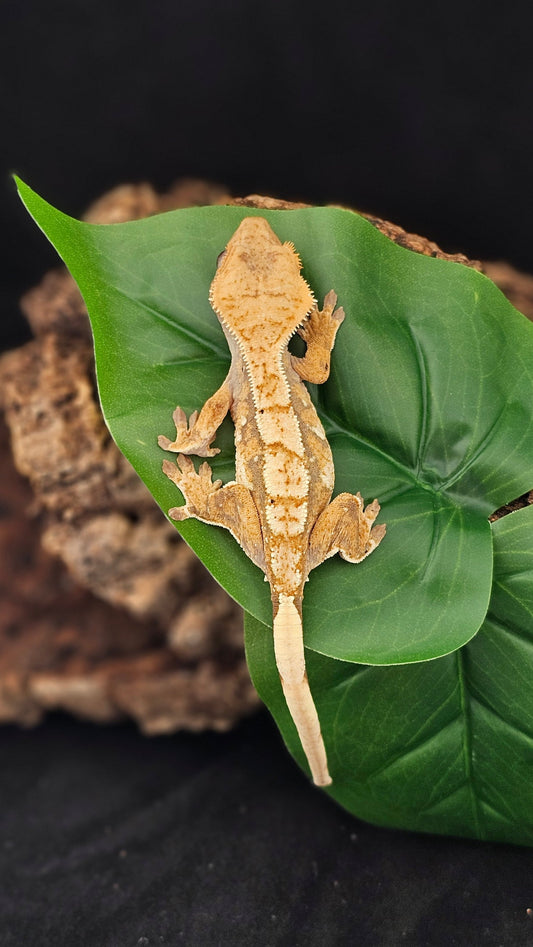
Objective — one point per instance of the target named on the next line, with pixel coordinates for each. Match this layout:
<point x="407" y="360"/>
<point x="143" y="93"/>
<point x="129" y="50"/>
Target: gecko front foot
<point x="322" y="324"/>
<point x="318" y="332"/>
<point x="197" y="488"/>
<point x="189" y="439"/>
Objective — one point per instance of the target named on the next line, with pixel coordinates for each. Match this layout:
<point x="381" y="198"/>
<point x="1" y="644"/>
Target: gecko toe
<point x="185" y="464"/>
<point x="178" y="513"/>
<point x="378" y="533"/>
<point x="179" y="417"/>
<point x="169" y="469"/>
<point x="372" y="511"/>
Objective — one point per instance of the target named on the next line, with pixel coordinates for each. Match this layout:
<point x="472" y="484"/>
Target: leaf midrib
<point x="471" y="781"/>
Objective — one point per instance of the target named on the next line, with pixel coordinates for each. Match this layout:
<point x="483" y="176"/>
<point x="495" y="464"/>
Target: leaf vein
<point x="483" y="702"/>
<point x="176" y="326"/>
<point x="411" y="750"/>
<point x="468" y="761"/>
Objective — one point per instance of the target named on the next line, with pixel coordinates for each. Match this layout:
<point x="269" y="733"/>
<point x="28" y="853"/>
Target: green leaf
<point x="442" y="746"/>
<point x="427" y="408"/>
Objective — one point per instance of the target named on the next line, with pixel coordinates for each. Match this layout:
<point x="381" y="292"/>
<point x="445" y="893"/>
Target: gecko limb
<point x="318" y="332"/>
<point x="196" y="436"/>
<point x="345" y="526"/>
<point x="231" y="506"/>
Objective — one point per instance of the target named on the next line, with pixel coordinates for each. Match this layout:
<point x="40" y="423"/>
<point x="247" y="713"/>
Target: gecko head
<point x="258" y="282"/>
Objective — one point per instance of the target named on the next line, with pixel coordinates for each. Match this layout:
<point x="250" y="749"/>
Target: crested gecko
<point x="279" y="507"/>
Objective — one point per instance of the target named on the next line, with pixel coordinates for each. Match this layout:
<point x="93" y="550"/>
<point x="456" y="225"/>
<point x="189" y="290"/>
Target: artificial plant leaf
<point x="427" y="408"/>
<point x="441" y="746"/>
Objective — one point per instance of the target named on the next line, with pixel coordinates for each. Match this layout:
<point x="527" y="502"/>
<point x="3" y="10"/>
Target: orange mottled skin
<point x="279" y="508"/>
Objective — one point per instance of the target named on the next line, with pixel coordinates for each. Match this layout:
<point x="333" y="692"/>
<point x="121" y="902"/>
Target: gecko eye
<point x="220" y="257"/>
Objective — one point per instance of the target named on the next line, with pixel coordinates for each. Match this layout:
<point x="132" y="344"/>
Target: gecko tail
<point x="290" y="660"/>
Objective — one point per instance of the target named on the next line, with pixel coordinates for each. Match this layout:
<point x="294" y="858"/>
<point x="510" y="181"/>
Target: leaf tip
<point x="55" y="225"/>
<point x="33" y="203"/>
<point x="23" y="189"/>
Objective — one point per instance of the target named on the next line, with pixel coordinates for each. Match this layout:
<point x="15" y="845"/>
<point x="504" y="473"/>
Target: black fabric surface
<point x="416" y="112"/>
<point x="113" y="840"/>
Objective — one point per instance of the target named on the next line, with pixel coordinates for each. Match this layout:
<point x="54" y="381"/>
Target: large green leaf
<point x="442" y="746"/>
<point x="427" y="408"/>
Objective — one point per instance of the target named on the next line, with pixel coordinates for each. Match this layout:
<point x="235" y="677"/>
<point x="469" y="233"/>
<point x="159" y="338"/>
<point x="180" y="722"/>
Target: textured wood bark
<point x="125" y="629"/>
<point x="62" y="647"/>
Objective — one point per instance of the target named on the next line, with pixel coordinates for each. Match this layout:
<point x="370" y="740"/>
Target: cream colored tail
<point x="290" y="660"/>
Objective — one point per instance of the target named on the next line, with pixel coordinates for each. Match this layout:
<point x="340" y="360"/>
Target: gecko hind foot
<point x="356" y="535"/>
<point x="346" y="527"/>
<point x="197" y="488"/>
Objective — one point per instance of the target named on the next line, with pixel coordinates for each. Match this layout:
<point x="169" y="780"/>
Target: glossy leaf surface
<point x="427" y="408"/>
<point x="442" y="746"/>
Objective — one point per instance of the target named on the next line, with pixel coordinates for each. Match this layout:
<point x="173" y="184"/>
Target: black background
<point x="417" y="112"/>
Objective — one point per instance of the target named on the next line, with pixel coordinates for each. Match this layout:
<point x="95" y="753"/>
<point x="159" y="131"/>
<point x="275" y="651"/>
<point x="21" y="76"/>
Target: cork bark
<point x="106" y="612"/>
